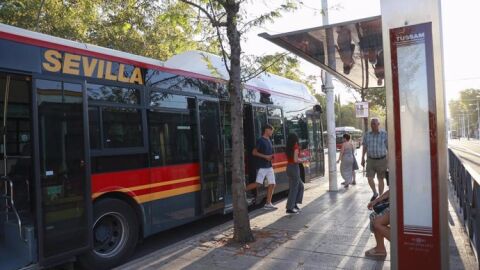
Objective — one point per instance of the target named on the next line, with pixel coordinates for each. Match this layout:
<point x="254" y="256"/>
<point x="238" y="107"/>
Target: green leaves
<point x="286" y="66"/>
<point x="157" y="29"/>
<point x="376" y="96"/>
<point x="464" y="111"/>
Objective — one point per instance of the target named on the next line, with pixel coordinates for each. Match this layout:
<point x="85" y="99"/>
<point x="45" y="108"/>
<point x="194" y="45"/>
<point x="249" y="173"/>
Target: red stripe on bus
<point x="279" y="157"/>
<point x="172" y="172"/>
<point x="128" y="179"/>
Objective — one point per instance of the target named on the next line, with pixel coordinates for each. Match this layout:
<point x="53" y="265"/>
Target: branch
<point x="38" y="15"/>
<point x="224" y="53"/>
<point x="269" y="16"/>
<point x="262" y="69"/>
<point x="214" y="22"/>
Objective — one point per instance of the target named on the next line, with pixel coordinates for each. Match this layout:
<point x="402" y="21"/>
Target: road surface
<point x="468" y="151"/>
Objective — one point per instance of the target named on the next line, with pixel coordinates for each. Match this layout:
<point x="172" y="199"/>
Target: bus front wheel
<point x="115" y="234"/>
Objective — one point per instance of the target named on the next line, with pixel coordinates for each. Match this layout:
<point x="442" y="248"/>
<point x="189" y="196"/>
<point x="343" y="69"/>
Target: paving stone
<point x="273" y="264"/>
<point x="290" y="254"/>
<point x="342" y="250"/>
<point x="315" y="267"/>
<point x="327" y="260"/>
<point x="228" y="260"/>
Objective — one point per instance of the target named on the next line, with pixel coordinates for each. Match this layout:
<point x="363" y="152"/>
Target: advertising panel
<point x="416" y="146"/>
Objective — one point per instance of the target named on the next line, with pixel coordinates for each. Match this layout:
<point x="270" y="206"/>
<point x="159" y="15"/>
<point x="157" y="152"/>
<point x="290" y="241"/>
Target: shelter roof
<point x="351" y="51"/>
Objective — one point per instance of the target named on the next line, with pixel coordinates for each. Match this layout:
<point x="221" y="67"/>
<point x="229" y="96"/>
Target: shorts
<point x="374" y="215"/>
<point x="268" y="173"/>
<point x="376" y="166"/>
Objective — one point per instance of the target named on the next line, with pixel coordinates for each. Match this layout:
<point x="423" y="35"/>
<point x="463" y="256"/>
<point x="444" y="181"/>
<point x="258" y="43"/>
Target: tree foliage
<point x="286" y="66"/>
<point x="345" y="113"/>
<point x="157" y="29"/>
<point x="68" y="19"/>
<point x="464" y="112"/>
<point x="376" y="96"/>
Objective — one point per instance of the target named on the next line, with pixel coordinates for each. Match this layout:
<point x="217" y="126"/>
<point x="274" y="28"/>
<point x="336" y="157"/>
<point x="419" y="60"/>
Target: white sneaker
<point x="269" y="206"/>
<point x="293" y="211"/>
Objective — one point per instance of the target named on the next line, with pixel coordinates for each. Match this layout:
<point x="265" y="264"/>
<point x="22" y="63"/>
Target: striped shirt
<point x="376" y="143"/>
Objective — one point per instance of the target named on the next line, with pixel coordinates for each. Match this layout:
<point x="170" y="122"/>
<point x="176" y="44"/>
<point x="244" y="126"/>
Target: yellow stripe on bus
<point x="280" y="163"/>
<point x="132" y="189"/>
<point x="166" y="194"/>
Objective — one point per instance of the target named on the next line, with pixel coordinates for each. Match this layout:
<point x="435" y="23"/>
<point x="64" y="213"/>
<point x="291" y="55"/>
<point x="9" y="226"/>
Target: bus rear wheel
<point x="115" y="234"/>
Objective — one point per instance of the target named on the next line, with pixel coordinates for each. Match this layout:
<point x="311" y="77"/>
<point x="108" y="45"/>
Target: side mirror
<point x="317" y="108"/>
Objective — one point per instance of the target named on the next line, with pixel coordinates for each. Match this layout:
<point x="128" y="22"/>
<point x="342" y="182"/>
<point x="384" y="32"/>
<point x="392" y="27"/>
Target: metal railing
<point x="466" y="183"/>
<point x="10" y="203"/>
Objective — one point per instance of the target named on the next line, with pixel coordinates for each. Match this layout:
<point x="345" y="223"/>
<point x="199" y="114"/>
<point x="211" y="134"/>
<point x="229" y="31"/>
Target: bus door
<point x="63" y="197"/>
<point x="257" y="118"/>
<point x="211" y="156"/>
<point x="17" y="239"/>
<point x="225" y="123"/>
<point x="249" y="142"/>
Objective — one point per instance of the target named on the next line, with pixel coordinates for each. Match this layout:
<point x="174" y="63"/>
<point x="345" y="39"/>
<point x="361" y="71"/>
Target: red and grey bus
<point x="356" y="136"/>
<point x="101" y="148"/>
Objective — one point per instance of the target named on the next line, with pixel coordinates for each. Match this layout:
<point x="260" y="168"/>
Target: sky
<point x="461" y="42"/>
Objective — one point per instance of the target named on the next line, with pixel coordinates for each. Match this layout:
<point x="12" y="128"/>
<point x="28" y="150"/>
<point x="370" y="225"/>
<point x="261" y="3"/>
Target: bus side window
<point x="278" y="136"/>
<point x="275" y="119"/>
<point x="172" y="138"/>
<point x="260" y="119"/>
<point x="122" y="127"/>
<point x="172" y="129"/>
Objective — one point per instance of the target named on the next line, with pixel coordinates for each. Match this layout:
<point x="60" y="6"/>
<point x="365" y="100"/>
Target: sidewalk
<point x="331" y="232"/>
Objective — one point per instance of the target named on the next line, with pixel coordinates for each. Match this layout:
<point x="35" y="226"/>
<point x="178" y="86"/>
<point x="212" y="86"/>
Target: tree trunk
<point x="241" y="221"/>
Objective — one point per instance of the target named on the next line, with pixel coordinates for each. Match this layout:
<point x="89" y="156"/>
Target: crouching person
<point x="379" y="225"/>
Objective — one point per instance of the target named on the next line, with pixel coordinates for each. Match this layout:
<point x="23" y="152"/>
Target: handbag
<point x="381" y="206"/>
<point x="355" y="164"/>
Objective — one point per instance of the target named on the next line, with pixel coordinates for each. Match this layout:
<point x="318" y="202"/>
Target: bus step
<point x="31" y="267"/>
<point x="15" y="253"/>
<point x="227" y="209"/>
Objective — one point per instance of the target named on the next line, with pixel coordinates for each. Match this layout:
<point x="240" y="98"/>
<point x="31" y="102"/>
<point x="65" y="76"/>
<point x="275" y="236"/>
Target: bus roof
<point x="211" y="65"/>
<point x="346" y="129"/>
<point x="190" y="63"/>
<point x="44" y="40"/>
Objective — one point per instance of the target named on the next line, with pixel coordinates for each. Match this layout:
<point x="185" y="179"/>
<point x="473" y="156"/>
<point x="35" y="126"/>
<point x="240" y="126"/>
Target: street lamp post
<point x="478" y="119"/>
<point x="478" y="115"/>
<point x="468" y="126"/>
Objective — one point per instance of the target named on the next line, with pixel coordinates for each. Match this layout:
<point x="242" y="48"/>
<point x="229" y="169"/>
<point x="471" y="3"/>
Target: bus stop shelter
<point x="350" y="51"/>
<point x="412" y="64"/>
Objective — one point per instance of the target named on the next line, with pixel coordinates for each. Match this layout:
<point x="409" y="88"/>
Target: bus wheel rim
<point x="110" y="233"/>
